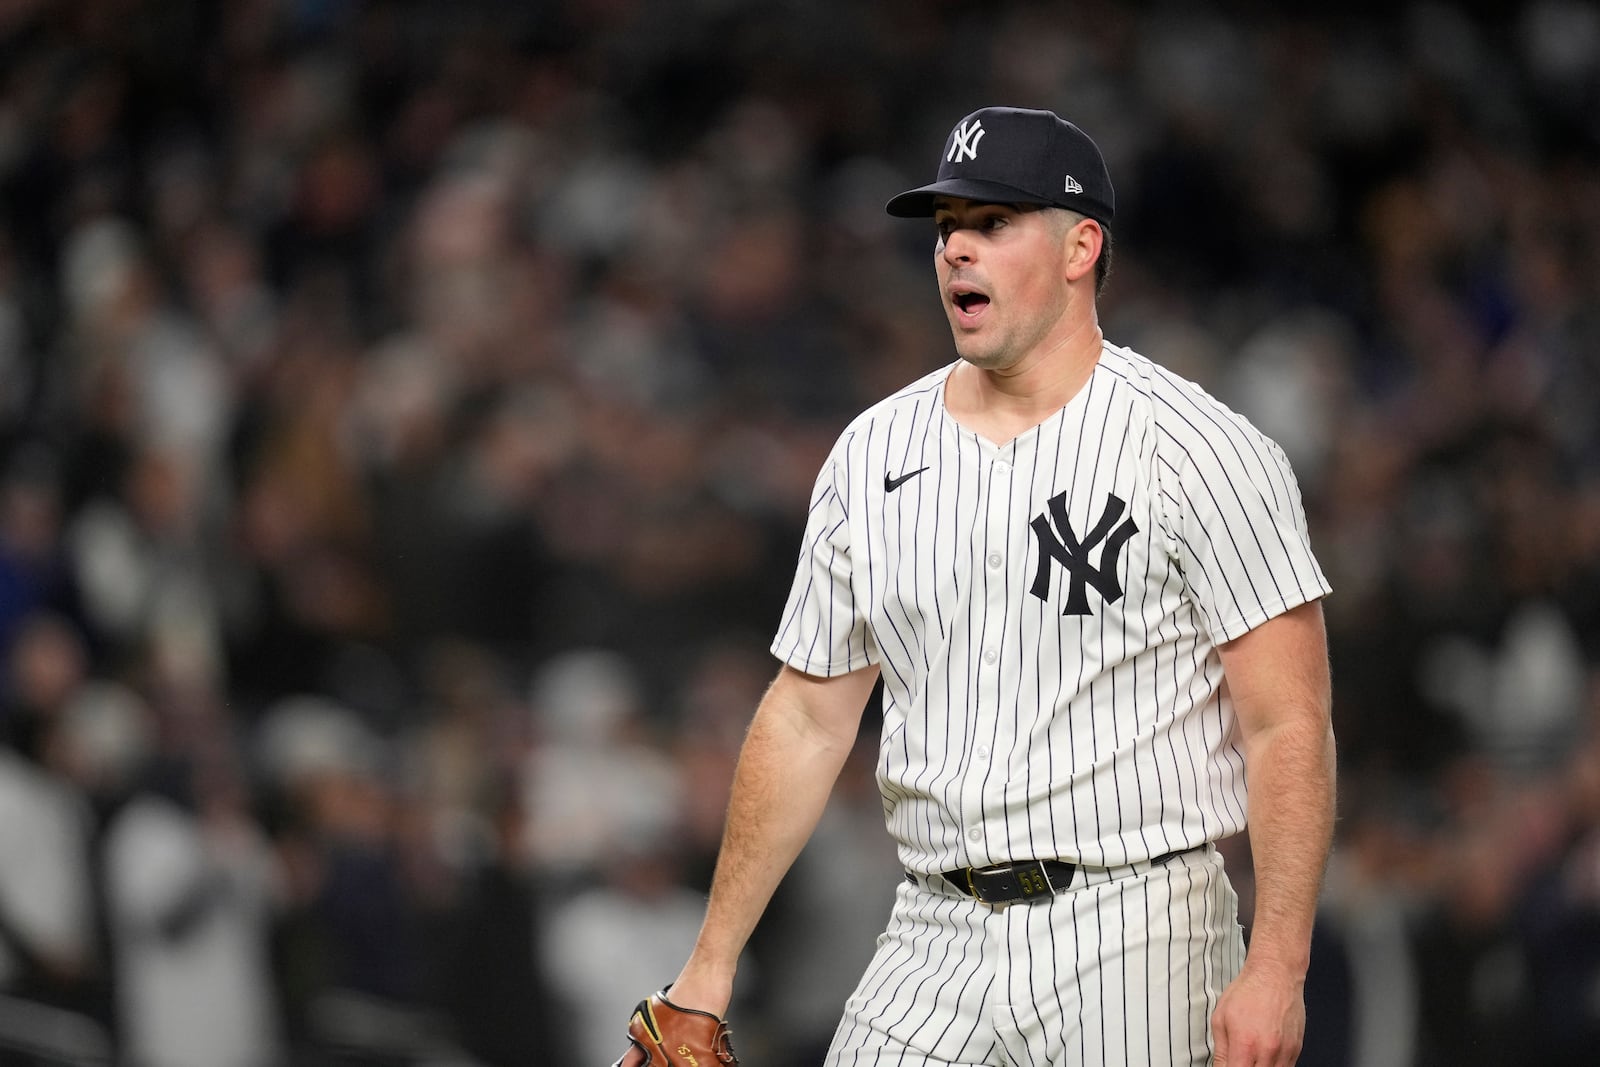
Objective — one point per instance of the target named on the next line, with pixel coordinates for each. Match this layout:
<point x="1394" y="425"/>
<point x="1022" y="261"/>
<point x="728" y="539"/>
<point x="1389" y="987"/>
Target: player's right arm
<point x="802" y="732"/>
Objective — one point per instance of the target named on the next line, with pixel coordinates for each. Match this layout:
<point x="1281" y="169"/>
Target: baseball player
<point x="1089" y="591"/>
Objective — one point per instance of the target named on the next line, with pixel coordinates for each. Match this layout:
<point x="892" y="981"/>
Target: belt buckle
<point x="1030" y="880"/>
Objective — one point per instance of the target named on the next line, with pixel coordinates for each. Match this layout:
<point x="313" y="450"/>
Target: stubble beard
<point x="983" y="349"/>
<point x="985" y="359"/>
<point x="991" y="353"/>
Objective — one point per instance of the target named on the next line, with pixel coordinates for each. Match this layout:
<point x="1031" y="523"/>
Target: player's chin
<point x="978" y="352"/>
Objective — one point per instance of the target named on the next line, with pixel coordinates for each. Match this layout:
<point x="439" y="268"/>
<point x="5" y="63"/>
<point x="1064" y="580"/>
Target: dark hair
<point x="1102" y="266"/>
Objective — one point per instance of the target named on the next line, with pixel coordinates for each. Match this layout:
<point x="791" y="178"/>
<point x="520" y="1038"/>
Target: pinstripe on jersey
<point x="1014" y="726"/>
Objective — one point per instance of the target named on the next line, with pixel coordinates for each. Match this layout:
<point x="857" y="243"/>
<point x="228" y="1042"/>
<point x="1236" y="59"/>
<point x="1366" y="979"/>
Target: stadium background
<point x="407" y="411"/>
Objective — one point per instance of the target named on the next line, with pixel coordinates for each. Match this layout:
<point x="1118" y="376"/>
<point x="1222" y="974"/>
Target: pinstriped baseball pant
<point x="1123" y="968"/>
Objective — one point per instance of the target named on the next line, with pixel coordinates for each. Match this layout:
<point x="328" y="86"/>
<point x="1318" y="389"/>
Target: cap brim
<point x="918" y="203"/>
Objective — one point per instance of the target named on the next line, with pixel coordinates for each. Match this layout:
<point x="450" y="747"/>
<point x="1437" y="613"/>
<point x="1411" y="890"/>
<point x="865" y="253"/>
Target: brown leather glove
<point x="661" y="1034"/>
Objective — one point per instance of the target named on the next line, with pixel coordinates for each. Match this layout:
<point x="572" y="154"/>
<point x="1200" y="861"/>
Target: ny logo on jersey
<point x="1064" y="546"/>
<point x="965" y="144"/>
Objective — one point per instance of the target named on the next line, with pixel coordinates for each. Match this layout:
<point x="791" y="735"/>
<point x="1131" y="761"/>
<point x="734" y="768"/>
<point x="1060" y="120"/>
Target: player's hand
<point x="664" y="1034"/>
<point x="1260" y="1020"/>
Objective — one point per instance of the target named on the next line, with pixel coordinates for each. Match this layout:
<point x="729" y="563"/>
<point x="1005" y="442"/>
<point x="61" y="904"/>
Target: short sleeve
<point x="822" y="631"/>
<point x="1234" y="512"/>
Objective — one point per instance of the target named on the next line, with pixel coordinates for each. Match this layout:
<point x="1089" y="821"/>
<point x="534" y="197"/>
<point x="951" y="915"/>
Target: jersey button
<point x="974" y="834"/>
<point x="994" y="559"/>
<point x="1002" y="468"/>
<point x="982" y="752"/>
<point x="990" y="656"/>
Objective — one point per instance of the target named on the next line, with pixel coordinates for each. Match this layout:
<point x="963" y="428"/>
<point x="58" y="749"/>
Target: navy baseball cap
<point x="1013" y="155"/>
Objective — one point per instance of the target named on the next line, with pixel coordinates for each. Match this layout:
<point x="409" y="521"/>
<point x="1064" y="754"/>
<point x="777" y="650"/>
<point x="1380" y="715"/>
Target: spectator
<point x="188" y="896"/>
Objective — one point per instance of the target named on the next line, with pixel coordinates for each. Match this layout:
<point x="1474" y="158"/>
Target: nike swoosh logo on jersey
<point x="891" y="484"/>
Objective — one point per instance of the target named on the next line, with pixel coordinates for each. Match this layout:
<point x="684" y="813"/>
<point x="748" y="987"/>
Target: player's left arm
<point x="1278" y="677"/>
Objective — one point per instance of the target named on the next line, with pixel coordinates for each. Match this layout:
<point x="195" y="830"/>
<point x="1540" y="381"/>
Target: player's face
<point x="1002" y="276"/>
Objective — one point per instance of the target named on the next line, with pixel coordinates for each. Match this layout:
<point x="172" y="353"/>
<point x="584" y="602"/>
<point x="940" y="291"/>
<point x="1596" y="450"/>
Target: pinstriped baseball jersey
<point x="1046" y="613"/>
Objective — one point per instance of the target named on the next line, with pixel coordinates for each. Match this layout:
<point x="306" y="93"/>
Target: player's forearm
<point x="787" y="768"/>
<point x="1292" y="775"/>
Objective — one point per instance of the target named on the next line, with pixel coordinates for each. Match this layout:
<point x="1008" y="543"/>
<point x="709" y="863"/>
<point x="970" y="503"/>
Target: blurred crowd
<point x="407" y="415"/>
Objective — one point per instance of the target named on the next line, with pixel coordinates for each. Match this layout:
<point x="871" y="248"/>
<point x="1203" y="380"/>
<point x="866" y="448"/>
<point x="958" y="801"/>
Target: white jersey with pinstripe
<point x="1045" y="615"/>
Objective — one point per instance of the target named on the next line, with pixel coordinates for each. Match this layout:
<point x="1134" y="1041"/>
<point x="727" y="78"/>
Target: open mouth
<point x="969" y="304"/>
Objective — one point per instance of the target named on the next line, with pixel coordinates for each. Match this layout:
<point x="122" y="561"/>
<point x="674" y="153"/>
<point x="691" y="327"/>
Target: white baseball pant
<point x="1124" y="968"/>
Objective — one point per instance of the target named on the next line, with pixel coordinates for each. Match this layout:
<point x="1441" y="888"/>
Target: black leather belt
<point x="1013" y="883"/>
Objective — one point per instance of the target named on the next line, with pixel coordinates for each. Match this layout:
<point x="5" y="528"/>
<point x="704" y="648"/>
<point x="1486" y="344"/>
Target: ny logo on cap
<point x="965" y="145"/>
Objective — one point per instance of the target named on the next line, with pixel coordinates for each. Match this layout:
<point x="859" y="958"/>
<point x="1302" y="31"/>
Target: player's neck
<point x="999" y="404"/>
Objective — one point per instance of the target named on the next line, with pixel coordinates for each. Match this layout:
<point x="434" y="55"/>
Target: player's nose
<point x="958" y="246"/>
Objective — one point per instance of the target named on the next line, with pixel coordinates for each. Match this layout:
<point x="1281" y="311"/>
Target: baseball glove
<point x="661" y="1034"/>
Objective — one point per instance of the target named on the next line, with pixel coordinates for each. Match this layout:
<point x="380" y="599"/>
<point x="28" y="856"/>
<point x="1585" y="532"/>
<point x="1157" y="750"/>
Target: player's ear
<point x="1083" y="239"/>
